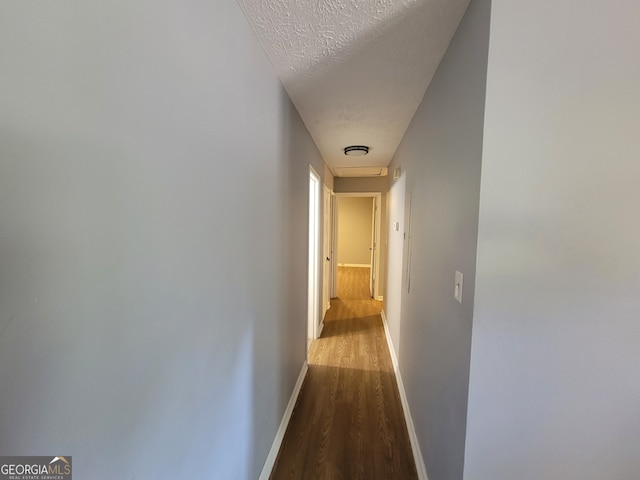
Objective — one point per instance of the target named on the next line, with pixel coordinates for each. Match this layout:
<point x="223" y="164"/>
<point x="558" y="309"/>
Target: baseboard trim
<point x="380" y="298"/>
<point x="415" y="446"/>
<point x="363" y="265"/>
<point x="277" y="441"/>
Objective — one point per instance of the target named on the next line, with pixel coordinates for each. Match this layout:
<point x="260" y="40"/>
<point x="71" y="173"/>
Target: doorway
<point x="357" y="235"/>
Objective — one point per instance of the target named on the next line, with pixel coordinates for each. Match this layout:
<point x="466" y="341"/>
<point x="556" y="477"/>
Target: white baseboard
<point x="277" y="441"/>
<point x="380" y="298"/>
<point x="415" y="446"/>
<point x="363" y="265"/>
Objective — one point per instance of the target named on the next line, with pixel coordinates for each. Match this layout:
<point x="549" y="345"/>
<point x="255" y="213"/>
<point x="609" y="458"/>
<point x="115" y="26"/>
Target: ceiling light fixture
<point x="356" y="150"/>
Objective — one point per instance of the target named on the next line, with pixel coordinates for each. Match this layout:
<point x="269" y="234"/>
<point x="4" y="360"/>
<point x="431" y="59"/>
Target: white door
<point x="314" y="250"/>
<point x="372" y="273"/>
<point x="334" y="246"/>
<point x="326" y="253"/>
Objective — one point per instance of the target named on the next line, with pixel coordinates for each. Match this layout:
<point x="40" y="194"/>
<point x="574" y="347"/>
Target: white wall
<point x="555" y="387"/>
<point x="354" y="230"/>
<point x="440" y="157"/>
<point x="143" y="151"/>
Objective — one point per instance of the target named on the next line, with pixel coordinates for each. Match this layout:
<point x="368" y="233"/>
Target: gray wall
<point x="361" y="184"/>
<point x="142" y="153"/>
<point x="555" y="383"/>
<point x="440" y="156"/>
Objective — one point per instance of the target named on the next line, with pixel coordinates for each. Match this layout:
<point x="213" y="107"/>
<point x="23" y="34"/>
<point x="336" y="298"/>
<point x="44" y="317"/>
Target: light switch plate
<point x="457" y="292"/>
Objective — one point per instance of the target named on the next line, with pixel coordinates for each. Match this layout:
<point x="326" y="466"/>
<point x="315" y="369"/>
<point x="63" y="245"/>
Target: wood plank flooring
<point x="348" y="422"/>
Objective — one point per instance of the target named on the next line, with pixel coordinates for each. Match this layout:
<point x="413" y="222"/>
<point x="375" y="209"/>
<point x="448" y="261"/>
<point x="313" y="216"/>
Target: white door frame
<point x="313" y="310"/>
<point x="375" y="271"/>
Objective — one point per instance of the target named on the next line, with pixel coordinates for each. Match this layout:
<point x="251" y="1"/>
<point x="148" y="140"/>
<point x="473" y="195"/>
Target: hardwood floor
<point x="348" y="422"/>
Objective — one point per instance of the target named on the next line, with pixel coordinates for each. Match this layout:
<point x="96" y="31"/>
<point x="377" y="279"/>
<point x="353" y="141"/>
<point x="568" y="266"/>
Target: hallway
<point x="348" y="421"/>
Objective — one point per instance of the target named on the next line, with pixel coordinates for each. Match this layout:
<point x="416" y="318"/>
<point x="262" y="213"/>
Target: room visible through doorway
<point x="358" y="235"/>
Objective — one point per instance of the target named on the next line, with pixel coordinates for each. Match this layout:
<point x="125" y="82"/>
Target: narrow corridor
<point x="348" y="421"/>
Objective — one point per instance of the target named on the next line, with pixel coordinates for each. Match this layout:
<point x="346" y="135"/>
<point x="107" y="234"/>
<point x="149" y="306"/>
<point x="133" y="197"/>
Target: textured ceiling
<point x="356" y="70"/>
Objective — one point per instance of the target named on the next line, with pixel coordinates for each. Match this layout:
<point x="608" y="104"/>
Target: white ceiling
<point x="356" y="70"/>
